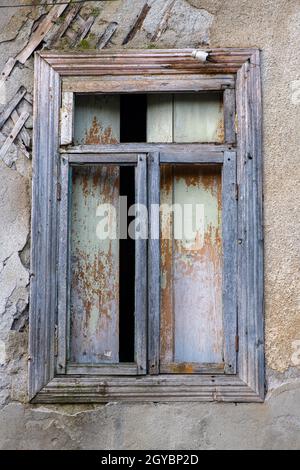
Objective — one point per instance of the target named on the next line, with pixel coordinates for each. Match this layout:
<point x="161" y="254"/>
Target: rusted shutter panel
<point x="97" y="119"/>
<point x="191" y="274"/>
<point x="94" y="301"/>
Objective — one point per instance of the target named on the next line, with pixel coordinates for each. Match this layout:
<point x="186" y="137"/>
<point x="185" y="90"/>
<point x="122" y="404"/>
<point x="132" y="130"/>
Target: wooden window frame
<point x="58" y="75"/>
<point x="62" y="365"/>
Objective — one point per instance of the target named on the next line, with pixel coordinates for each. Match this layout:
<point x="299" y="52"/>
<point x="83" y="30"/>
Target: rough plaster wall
<point x="272" y="26"/>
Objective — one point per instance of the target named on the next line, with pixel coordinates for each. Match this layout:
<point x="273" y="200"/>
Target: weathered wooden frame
<point x="138" y="367"/>
<point x="227" y="162"/>
<point x="137" y="71"/>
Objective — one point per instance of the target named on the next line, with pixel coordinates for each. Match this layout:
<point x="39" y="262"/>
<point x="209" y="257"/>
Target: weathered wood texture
<point x="141" y="266"/>
<point x="153" y="263"/>
<point x="243" y="64"/>
<point x="184" y="388"/>
<point x="11" y="105"/>
<point x="147" y="83"/>
<point x="229" y="264"/>
<point x="250" y="227"/>
<point x="43" y="231"/>
<point x="191" y="274"/>
<point x="94" y="298"/>
<point x="141" y="62"/>
<point x="13" y="133"/>
<point x="67" y="118"/>
<point x="97" y="119"/>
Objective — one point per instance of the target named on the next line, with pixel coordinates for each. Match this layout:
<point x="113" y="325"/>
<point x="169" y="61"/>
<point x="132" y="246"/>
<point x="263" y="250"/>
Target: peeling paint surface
<point x="97" y="119"/>
<point x="191" y="288"/>
<point x="94" y="310"/>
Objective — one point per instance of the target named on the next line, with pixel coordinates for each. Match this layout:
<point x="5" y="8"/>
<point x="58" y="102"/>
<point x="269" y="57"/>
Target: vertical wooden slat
<point x="94" y="302"/>
<point x="160" y="118"/>
<point x="230" y="243"/>
<point x="43" y="232"/>
<point x="97" y="119"/>
<point x="141" y="272"/>
<point x="250" y="227"/>
<point x="198" y="117"/>
<point x="153" y="263"/>
<point x="166" y="267"/>
<point x="63" y="274"/>
<point x="229" y="116"/>
<point x="67" y="118"/>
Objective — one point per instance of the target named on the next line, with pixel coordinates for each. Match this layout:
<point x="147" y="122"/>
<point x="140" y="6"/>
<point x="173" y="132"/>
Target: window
<point x="147" y="228"/>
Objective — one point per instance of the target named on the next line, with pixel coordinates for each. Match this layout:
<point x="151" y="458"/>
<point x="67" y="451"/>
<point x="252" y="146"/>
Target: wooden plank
<point x="229" y="116"/>
<point x="67" y="118"/>
<point x="82" y="29"/>
<point x="191" y="368"/>
<point x="24" y="135"/>
<point x="94" y="297"/>
<point x="198" y="117"/>
<point x="137" y="23"/>
<point x="166" y="266"/>
<point x="43" y="28"/>
<point x="192" y="157"/>
<point x="53" y="37"/>
<point x="97" y="119"/>
<point x="147" y="83"/>
<point x="250" y="229"/>
<point x="153" y="264"/>
<point x="175" y="149"/>
<point x="107" y="35"/>
<point x="160" y="118"/>
<point x="13" y="134"/>
<point x="230" y="244"/>
<point x="120" y="158"/>
<point x="142" y="62"/>
<point x="43" y="227"/>
<point x="63" y="286"/>
<point x="11" y="105"/>
<point x="102" y="369"/>
<point x="141" y="271"/>
<point x="163" y="24"/>
<point x="186" y="388"/>
<point x="6" y="71"/>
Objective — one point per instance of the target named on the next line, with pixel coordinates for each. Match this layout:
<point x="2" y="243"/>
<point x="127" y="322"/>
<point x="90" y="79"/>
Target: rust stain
<point x="94" y="270"/>
<point x="97" y="134"/>
<point x="181" y="267"/>
<point x="182" y="368"/>
<point x="166" y="248"/>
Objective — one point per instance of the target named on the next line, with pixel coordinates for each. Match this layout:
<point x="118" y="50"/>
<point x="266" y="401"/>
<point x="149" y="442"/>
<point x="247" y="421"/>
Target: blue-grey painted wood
<point x="141" y="266"/>
<point x="43" y="226"/>
<point x="153" y="263"/>
<point x="229" y="275"/>
<point x="229" y="116"/>
<point x="63" y="285"/>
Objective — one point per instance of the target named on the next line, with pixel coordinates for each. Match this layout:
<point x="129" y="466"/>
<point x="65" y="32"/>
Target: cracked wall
<point x="272" y="26"/>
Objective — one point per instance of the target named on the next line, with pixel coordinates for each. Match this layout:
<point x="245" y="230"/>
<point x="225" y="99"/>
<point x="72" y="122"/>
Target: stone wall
<point x="270" y="25"/>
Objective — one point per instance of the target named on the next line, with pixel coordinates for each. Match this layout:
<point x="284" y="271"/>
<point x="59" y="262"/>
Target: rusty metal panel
<point x="191" y="266"/>
<point x="94" y="296"/>
<point x="97" y="119"/>
<point x="198" y="117"/>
